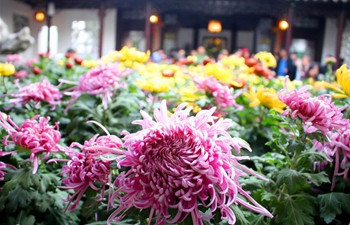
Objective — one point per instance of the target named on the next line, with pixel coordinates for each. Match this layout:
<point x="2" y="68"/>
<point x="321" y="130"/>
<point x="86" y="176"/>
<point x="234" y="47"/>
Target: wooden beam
<point x="289" y="33"/>
<point x="341" y="25"/>
<point x="148" y="27"/>
<point x="101" y="15"/>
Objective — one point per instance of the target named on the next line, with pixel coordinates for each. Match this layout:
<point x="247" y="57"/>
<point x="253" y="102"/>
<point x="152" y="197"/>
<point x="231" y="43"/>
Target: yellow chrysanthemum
<point x="106" y="59"/>
<point x="155" y="84"/>
<point x="114" y="55"/>
<point x="266" y="58"/>
<point x="195" y="108"/>
<point x="133" y="55"/>
<point x="60" y="62"/>
<point x="343" y="79"/>
<point x="220" y="73"/>
<point x="7" y="69"/>
<point x="320" y="85"/>
<point x="189" y="93"/>
<point x="279" y="83"/>
<point x="89" y="63"/>
<point x="266" y="97"/>
<point x="232" y="61"/>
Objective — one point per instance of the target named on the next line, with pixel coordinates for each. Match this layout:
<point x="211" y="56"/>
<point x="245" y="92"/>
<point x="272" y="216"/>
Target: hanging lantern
<point x="214" y="26"/>
<point x="283" y="25"/>
<point x="39" y="16"/>
<point x="153" y="18"/>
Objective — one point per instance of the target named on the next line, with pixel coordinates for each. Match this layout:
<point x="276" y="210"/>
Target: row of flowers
<point x="178" y="164"/>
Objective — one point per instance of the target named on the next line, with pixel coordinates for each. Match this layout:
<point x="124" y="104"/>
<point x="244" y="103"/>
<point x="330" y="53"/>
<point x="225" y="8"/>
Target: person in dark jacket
<point x="285" y="66"/>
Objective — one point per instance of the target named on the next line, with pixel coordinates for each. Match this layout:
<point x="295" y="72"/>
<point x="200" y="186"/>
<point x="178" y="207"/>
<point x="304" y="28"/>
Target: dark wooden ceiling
<point x="211" y="7"/>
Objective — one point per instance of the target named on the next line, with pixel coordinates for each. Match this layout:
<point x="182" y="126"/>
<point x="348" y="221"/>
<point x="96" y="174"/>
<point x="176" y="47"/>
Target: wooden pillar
<point x="157" y="36"/>
<point x="101" y="15"/>
<point x="119" y="29"/>
<point x="195" y="37"/>
<point x="278" y="40"/>
<point x="341" y="25"/>
<point x="289" y="33"/>
<point x="233" y="40"/>
<point x="148" y="26"/>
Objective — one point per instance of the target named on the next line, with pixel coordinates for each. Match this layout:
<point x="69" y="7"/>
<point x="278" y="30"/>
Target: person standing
<point x="285" y="66"/>
<point x="292" y="66"/>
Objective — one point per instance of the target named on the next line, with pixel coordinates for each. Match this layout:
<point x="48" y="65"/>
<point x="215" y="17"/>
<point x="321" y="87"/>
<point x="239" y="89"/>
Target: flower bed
<point x="122" y="140"/>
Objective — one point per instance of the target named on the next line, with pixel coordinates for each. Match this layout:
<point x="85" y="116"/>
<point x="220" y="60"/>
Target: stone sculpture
<point x="13" y="43"/>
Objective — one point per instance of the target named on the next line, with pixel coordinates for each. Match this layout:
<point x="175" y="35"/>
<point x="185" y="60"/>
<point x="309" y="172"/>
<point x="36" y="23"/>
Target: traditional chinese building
<point x="314" y="27"/>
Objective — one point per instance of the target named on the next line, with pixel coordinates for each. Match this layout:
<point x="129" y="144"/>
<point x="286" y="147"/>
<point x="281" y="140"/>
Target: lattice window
<point x="85" y="38"/>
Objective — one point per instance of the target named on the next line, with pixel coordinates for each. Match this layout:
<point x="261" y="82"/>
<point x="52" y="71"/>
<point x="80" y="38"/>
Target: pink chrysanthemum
<point x="103" y="80"/>
<point x="337" y="149"/>
<point x="317" y="113"/>
<point x="30" y="62"/>
<point x="38" y="92"/>
<point x="223" y="95"/>
<point x="3" y="166"/>
<point x="88" y="167"/>
<point x="35" y="135"/>
<point x="21" y="74"/>
<point x="2" y="172"/>
<point x="14" y="58"/>
<point x="182" y="163"/>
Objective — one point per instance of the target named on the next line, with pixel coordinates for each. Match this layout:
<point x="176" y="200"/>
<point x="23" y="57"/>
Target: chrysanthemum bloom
<point x="14" y="58"/>
<point x="317" y="113"/>
<point x="21" y="74"/>
<point x="30" y="62"/>
<point x="90" y="166"/>
<point x="342" y="88"/>
<point x="180" y="164"/>
<point x="266" y="58"/>
<point x="35" y="135"/>
<point x="2" y="172"/>
<point x="343" y="79"/>
<point x="103" y="80"/>
<point x="266" y="97"/>
<point x="38" y="92"/>
<point x="338" y="150"/>
<point x="223" y="95"/>
<point x="3" y="166"/>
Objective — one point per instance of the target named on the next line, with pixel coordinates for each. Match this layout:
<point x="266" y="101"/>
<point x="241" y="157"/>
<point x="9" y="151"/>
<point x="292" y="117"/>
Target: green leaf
<point x="240" y="217"/>
<point x="291" y="178"/>
<point x="42" y="202"/>
<point x="23" y="219"/>
<point x="258" y="220"/>
<point x="295" y="146"/>
<point x="17" y="198"/>
<point x="332" y="204"/>
<point x="314" y="156"/>
<point x="318" y="178"/>
<point x="295" y="210"/>
<point x="20" y="177"/>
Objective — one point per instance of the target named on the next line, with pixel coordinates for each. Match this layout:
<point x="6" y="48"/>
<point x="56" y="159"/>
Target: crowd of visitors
<point x="297" y="68"/>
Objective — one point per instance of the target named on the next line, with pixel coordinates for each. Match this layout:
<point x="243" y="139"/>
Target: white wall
<point x="245" y="39"/>
<point x="10" y="7"/>
<point x="330" y="37"/>
<point x="63" y="20"/>
<point x="185" y="37"/>
<point x="224" y="34"/>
